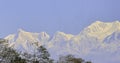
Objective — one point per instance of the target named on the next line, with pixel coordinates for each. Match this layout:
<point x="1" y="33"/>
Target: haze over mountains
<point x="99" y="42"/>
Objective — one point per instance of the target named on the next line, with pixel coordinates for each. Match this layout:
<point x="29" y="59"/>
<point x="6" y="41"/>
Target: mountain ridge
<point x="97" y="39"/>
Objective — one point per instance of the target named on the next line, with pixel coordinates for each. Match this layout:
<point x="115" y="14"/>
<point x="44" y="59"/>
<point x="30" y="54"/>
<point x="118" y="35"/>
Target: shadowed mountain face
<point x="99" y="42"/>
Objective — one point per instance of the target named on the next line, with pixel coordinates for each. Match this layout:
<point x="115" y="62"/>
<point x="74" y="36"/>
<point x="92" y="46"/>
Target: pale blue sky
<point x="69" y="16"/>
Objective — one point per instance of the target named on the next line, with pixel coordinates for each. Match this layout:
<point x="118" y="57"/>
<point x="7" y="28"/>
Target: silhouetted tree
<point x="7" y="54"/>
<point x="71" y="59"/>
<point x="88" y="62"/>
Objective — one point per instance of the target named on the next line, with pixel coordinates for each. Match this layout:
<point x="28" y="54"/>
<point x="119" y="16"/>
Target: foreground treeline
<point x="9" y="55"/>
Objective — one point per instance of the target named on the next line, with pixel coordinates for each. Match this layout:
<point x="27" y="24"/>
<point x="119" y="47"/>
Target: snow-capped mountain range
<point x="99" y="42"/>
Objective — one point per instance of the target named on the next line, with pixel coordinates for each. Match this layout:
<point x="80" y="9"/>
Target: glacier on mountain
<point x="97" y="42"/>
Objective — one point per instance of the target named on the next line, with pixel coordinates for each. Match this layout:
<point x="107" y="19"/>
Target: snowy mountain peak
<point x="99" y="24"/>
<point x="23" y="40"/>
<point x="100" y="29"/>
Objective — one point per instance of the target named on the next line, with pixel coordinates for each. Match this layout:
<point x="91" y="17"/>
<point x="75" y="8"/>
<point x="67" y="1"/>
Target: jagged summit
<point x="100" y="26"/>
<point x="100" y="29"/>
